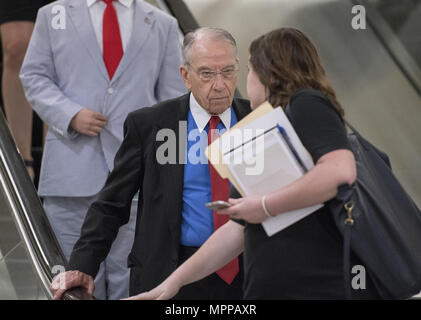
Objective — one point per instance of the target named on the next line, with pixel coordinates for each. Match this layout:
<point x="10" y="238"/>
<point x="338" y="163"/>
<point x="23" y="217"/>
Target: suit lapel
<point x="79" y="14"/>
<point x="142" y="23"/>
<point x="240" y="110"/>
<point x="172" y="175"/>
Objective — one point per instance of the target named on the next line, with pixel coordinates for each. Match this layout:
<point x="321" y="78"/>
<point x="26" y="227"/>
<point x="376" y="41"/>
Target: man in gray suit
<point x="89" y="63"/>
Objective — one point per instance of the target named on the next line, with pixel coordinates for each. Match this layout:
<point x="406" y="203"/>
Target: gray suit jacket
<point x="63" y="72"/>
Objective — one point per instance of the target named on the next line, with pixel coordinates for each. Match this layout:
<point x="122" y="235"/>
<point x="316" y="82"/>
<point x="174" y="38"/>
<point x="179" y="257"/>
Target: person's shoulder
<point x="157" y="111"/>
<point x="47" y="8"/>
<point x="158" y="13"/>
<point x="242" y="103"/>
<point x="56" y="7"/>
<point x="51" y="4"/>
<point x="308" y="93"/>
<point x="309" y="104"/>
<point x="309" y="99"/>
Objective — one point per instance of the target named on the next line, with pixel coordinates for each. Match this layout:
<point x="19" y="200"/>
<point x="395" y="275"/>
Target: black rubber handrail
<point x="182" y="13"/>
<point x="392" y="44"/>
<point x="33" y="222"/>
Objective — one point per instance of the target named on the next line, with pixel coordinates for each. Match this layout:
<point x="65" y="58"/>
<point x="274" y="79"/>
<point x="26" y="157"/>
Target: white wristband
<point x="264" y="207"/>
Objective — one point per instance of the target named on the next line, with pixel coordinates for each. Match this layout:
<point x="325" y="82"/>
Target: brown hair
<point x="285" y="60"/>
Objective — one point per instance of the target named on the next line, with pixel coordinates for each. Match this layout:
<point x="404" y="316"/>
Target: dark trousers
<point x="212" y="287"/>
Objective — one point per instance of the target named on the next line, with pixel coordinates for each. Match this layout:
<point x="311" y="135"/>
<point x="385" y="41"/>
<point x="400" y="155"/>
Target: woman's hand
<point x="165" y="291"/>
<point x="249" y="209"/>
<point x="224" y="244"/>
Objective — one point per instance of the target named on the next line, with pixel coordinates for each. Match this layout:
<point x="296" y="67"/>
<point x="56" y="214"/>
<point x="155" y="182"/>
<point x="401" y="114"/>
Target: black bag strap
<point x="346" y="260"/>
<point x="349" y="223"/>
<point x="368" y="146"/>
<point x="351" y="127"/>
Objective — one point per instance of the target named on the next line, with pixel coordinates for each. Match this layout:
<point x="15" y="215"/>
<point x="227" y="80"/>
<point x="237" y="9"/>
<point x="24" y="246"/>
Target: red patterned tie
<point x="220" y="189"/>
<point x="111" y="39"/>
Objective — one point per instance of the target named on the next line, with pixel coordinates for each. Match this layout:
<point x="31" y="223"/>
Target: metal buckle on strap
<point x="349" y="207"/>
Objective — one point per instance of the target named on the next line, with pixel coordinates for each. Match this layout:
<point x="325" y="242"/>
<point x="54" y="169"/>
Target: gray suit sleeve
<point x="170" y="84"/>
<point x="38" y="78"/>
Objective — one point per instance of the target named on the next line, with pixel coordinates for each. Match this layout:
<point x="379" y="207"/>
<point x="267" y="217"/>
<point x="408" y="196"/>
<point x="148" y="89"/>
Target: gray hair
<point x="214" y="33"/>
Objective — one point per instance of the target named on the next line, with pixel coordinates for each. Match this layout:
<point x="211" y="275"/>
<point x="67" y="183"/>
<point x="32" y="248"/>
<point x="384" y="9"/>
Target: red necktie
<point x="220" y="189"/>
<point x="111" y="39"/>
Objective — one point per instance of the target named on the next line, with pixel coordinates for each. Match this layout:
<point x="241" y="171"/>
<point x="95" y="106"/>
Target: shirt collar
<point x="126" y="3"/>
<point x="202" y="117"/>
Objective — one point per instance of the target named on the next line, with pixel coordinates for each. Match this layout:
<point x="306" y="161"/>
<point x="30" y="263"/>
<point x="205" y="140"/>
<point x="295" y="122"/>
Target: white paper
<point x="266" y="164"/>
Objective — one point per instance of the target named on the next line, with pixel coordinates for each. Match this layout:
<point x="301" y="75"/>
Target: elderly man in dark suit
<point x="162" y="157"/>
<point x="89" y="63"/>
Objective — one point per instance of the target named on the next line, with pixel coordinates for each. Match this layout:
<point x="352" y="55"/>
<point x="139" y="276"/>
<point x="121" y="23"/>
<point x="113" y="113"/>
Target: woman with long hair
<point x="303" y="261"/>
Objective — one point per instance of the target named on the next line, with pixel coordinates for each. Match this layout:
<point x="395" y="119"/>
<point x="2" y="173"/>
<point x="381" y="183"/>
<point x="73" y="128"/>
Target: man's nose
<point x="218" y="82"/>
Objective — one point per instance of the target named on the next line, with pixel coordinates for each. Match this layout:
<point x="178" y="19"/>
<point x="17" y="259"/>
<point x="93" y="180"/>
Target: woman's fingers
<point x="143" y="296"/>
<point x="161" y="292"/>
<point x="233" y="209"/>
<point x="235" y="201"/>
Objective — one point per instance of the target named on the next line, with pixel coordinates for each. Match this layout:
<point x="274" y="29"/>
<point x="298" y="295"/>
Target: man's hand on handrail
<point x="77" y="293"/>
<point x="71" y="279"/>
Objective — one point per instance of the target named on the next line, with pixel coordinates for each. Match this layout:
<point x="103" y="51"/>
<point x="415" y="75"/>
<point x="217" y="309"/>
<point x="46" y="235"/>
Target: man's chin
<point x="218" y="107"/>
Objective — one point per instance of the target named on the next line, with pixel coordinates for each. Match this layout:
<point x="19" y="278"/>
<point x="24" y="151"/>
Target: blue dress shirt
<point x="197" y="223"/>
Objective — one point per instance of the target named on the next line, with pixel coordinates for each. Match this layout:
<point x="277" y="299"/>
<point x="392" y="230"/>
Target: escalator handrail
<point x="392" y="44"/>
<point x="28" y="213"/>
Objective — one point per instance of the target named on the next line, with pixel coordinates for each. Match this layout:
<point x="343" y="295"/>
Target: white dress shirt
<point x="202" y="117"/>
<point x="125" y="14"/>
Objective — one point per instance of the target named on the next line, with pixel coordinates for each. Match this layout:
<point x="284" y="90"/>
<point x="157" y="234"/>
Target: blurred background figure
<point x="16" y="24"/>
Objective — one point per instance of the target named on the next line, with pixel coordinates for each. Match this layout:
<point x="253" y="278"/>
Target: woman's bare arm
<point x="222" y="247"/>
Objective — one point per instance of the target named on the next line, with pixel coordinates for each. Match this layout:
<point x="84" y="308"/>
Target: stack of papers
<point x="260" y="155"/>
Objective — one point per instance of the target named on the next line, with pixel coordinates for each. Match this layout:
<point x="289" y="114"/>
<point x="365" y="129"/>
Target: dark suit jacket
<point x="154" y="255"/>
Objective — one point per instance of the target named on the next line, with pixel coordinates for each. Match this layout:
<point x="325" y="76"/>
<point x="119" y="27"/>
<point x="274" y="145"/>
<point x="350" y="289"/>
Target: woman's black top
<point x="303" y="261"/>
<point x="20" y="10"/>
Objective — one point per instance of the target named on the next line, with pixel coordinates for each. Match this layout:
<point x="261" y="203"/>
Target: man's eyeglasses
<point x="210" y="75"/>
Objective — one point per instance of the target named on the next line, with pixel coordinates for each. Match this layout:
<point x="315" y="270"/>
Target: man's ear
<point x="184" y="72"/>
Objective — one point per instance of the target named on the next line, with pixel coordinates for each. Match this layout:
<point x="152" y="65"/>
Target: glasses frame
<point x="213" y="73"/>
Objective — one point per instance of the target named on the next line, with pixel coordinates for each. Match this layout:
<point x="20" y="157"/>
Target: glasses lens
<point x="228" y="74"/>
<point x="207" y="75"/>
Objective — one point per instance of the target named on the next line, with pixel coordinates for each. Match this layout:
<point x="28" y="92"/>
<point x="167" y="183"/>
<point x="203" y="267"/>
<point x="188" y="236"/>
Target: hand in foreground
<point x="88" y="122"/>
<point x="71" y="279"/>
<point x="249" y="209"/>
<point x="165" y="291"/>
